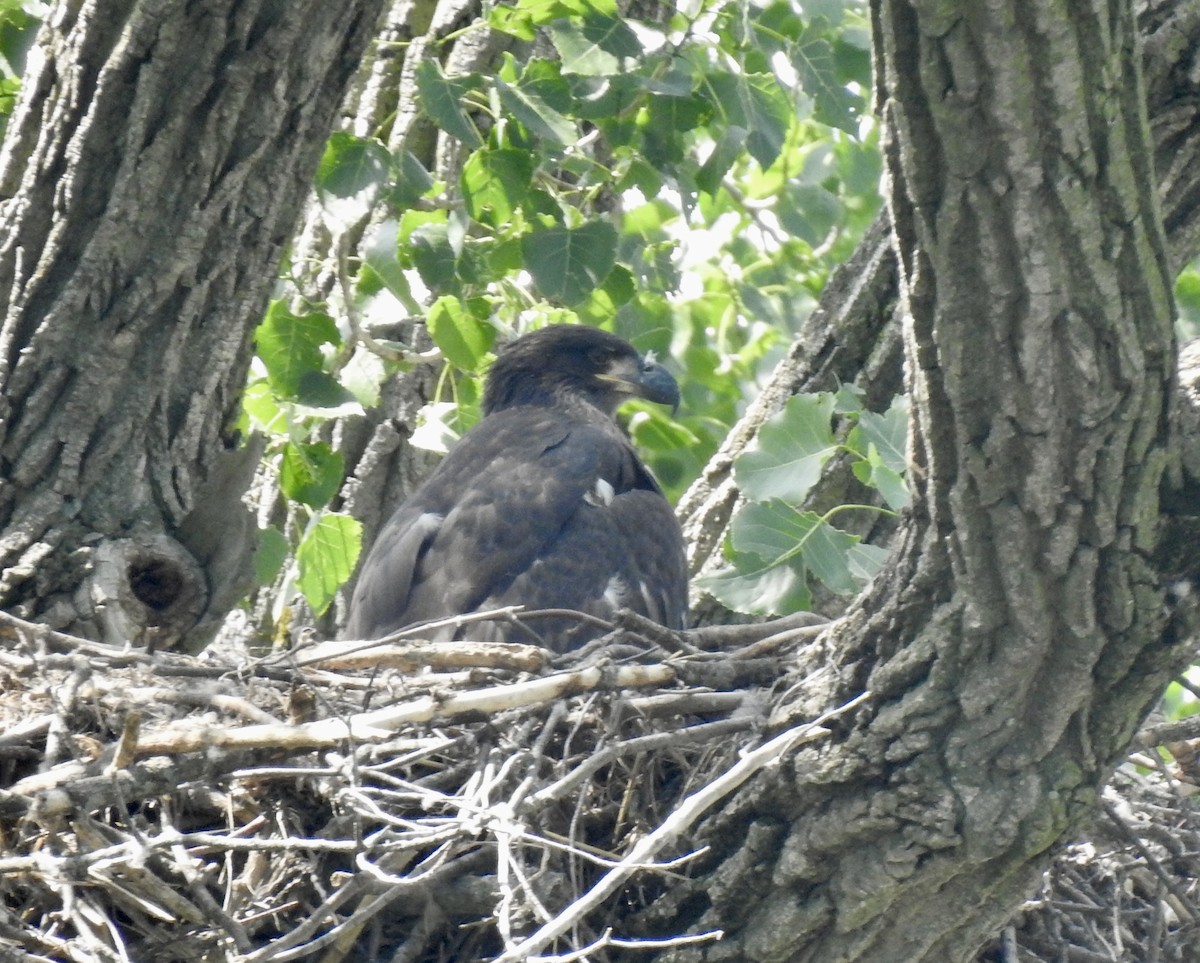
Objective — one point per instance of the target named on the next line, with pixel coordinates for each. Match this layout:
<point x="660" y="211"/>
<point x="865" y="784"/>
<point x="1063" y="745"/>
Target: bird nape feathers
<point x="543" y="504"/>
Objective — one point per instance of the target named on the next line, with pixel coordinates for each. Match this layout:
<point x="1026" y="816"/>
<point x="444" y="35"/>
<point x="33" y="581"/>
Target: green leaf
<point x="758" y="589"/>
<point x="440" y="98"/>
<point x="319" y="389"/>
<point x="290" y="347"/>
<point x="363" y="376"/>
<point x="1187" y="298"/>
<point x="727" y="150"/>
<point x="786" y="458"/>
<point x="755" y="103"/>
<point x="600" y="307"/>
<point x="311" y="473"/>
<point x="538" y="117"/>
<point x="434" y="258"/>
<point x="780" y="534"/>
<point x="665" y="127"/>
<point x="596" y="46"/>
<point x="512" y="21"/>
<point x="813" y="58"/>
<point x="351" y="165"/>
<point x="866" y="560"/>
<point x="463" y="338"/>
<point x="523" y="18"/>
<point x="809" y="212"/>
<point x="263" y="408"/>
<point x="411" y="180"/>
<point x="378" y="251"/>
<point x="272" y="553"/>
<point x="326" y="557"/>
<point x="889" y="433"/>
<point x="848" y="399"/>
<point x="603" y="100"/>
<point x="18" y="31"/>
<point x="874" y="472"/>
<point x="495" y="183"/>
<point x="881" y="441"/>
<point x="567" y="263"/>
<point x="826" y="553"/>
<point x="829" y="10"/>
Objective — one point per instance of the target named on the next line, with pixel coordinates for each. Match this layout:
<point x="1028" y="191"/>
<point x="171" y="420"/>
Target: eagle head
<point x="562" y="363"/>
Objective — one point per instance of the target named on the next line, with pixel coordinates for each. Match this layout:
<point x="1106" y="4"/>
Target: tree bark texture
<point x="1016" y="638"/>
<point x="854" y="334"/>
<point x="151" y="178"/>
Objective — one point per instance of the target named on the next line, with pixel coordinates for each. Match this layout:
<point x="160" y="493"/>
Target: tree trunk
<point x="854" y="335"/>
<point x="1018" y="635"/>
<point x="1016" y="639"/>
<point x="152" y="178"/>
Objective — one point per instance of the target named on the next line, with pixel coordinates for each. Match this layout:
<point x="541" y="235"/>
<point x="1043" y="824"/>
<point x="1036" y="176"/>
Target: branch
<point x="674" y="826"/>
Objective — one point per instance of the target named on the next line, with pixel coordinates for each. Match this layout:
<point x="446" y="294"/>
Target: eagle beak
<point x="656" y="384"/>
<point x="650" y="381"/>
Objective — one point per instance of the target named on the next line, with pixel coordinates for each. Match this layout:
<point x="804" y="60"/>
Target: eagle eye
<point x="600" y="358"/>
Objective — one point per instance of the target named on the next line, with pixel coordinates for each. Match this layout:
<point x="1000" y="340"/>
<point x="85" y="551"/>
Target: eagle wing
<point x="536" y="507"/>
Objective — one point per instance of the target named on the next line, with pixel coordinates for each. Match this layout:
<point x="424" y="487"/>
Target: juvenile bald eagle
<point x="544" y="504"/>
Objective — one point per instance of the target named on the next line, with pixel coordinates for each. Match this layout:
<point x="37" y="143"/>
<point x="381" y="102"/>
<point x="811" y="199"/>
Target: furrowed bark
<point x="1015" y="640"/>
<point x="151" y="178"/>
<point x="853" y="335"/>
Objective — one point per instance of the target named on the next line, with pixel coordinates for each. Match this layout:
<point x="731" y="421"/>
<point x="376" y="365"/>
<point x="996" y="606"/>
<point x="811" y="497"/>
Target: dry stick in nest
<point x="374" y="725"/>
<point x="383" y="723"/>
<point x="1183" y="903"/>
<point x="684" y="816"/>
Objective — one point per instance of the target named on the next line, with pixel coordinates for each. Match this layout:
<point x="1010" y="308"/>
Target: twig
<point x="607" y="939"/>
<point x="700" y="733"/>
<point x="714" y="638"/>
<point x="684" y="816"/>
<point x="381" y="723"/>
<point x="411" y="656"/>
<point x="1186" y="905"/>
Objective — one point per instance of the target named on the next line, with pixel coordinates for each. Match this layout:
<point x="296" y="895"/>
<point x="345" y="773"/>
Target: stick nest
<point x="409" y="802"/>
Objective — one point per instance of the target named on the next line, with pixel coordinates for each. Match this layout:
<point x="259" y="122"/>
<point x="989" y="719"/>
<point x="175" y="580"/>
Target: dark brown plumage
<point x="543" y="504"/>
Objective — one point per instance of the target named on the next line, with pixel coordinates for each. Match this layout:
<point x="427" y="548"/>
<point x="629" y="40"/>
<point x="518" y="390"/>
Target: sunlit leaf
<point x="434" y="431"/>
<point x="271" y="554"/>
<point x="351" y="163"/>
<point x="595" y="45"/>
<point x="539" y="118"/>
<point x="463" y="338"/>
<point x="495" y="183"/>
<point x="290" y="346"/>
<point x="311" y="473"/>
<point x="326" y="557"/>
<point x="263" y="408"/>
